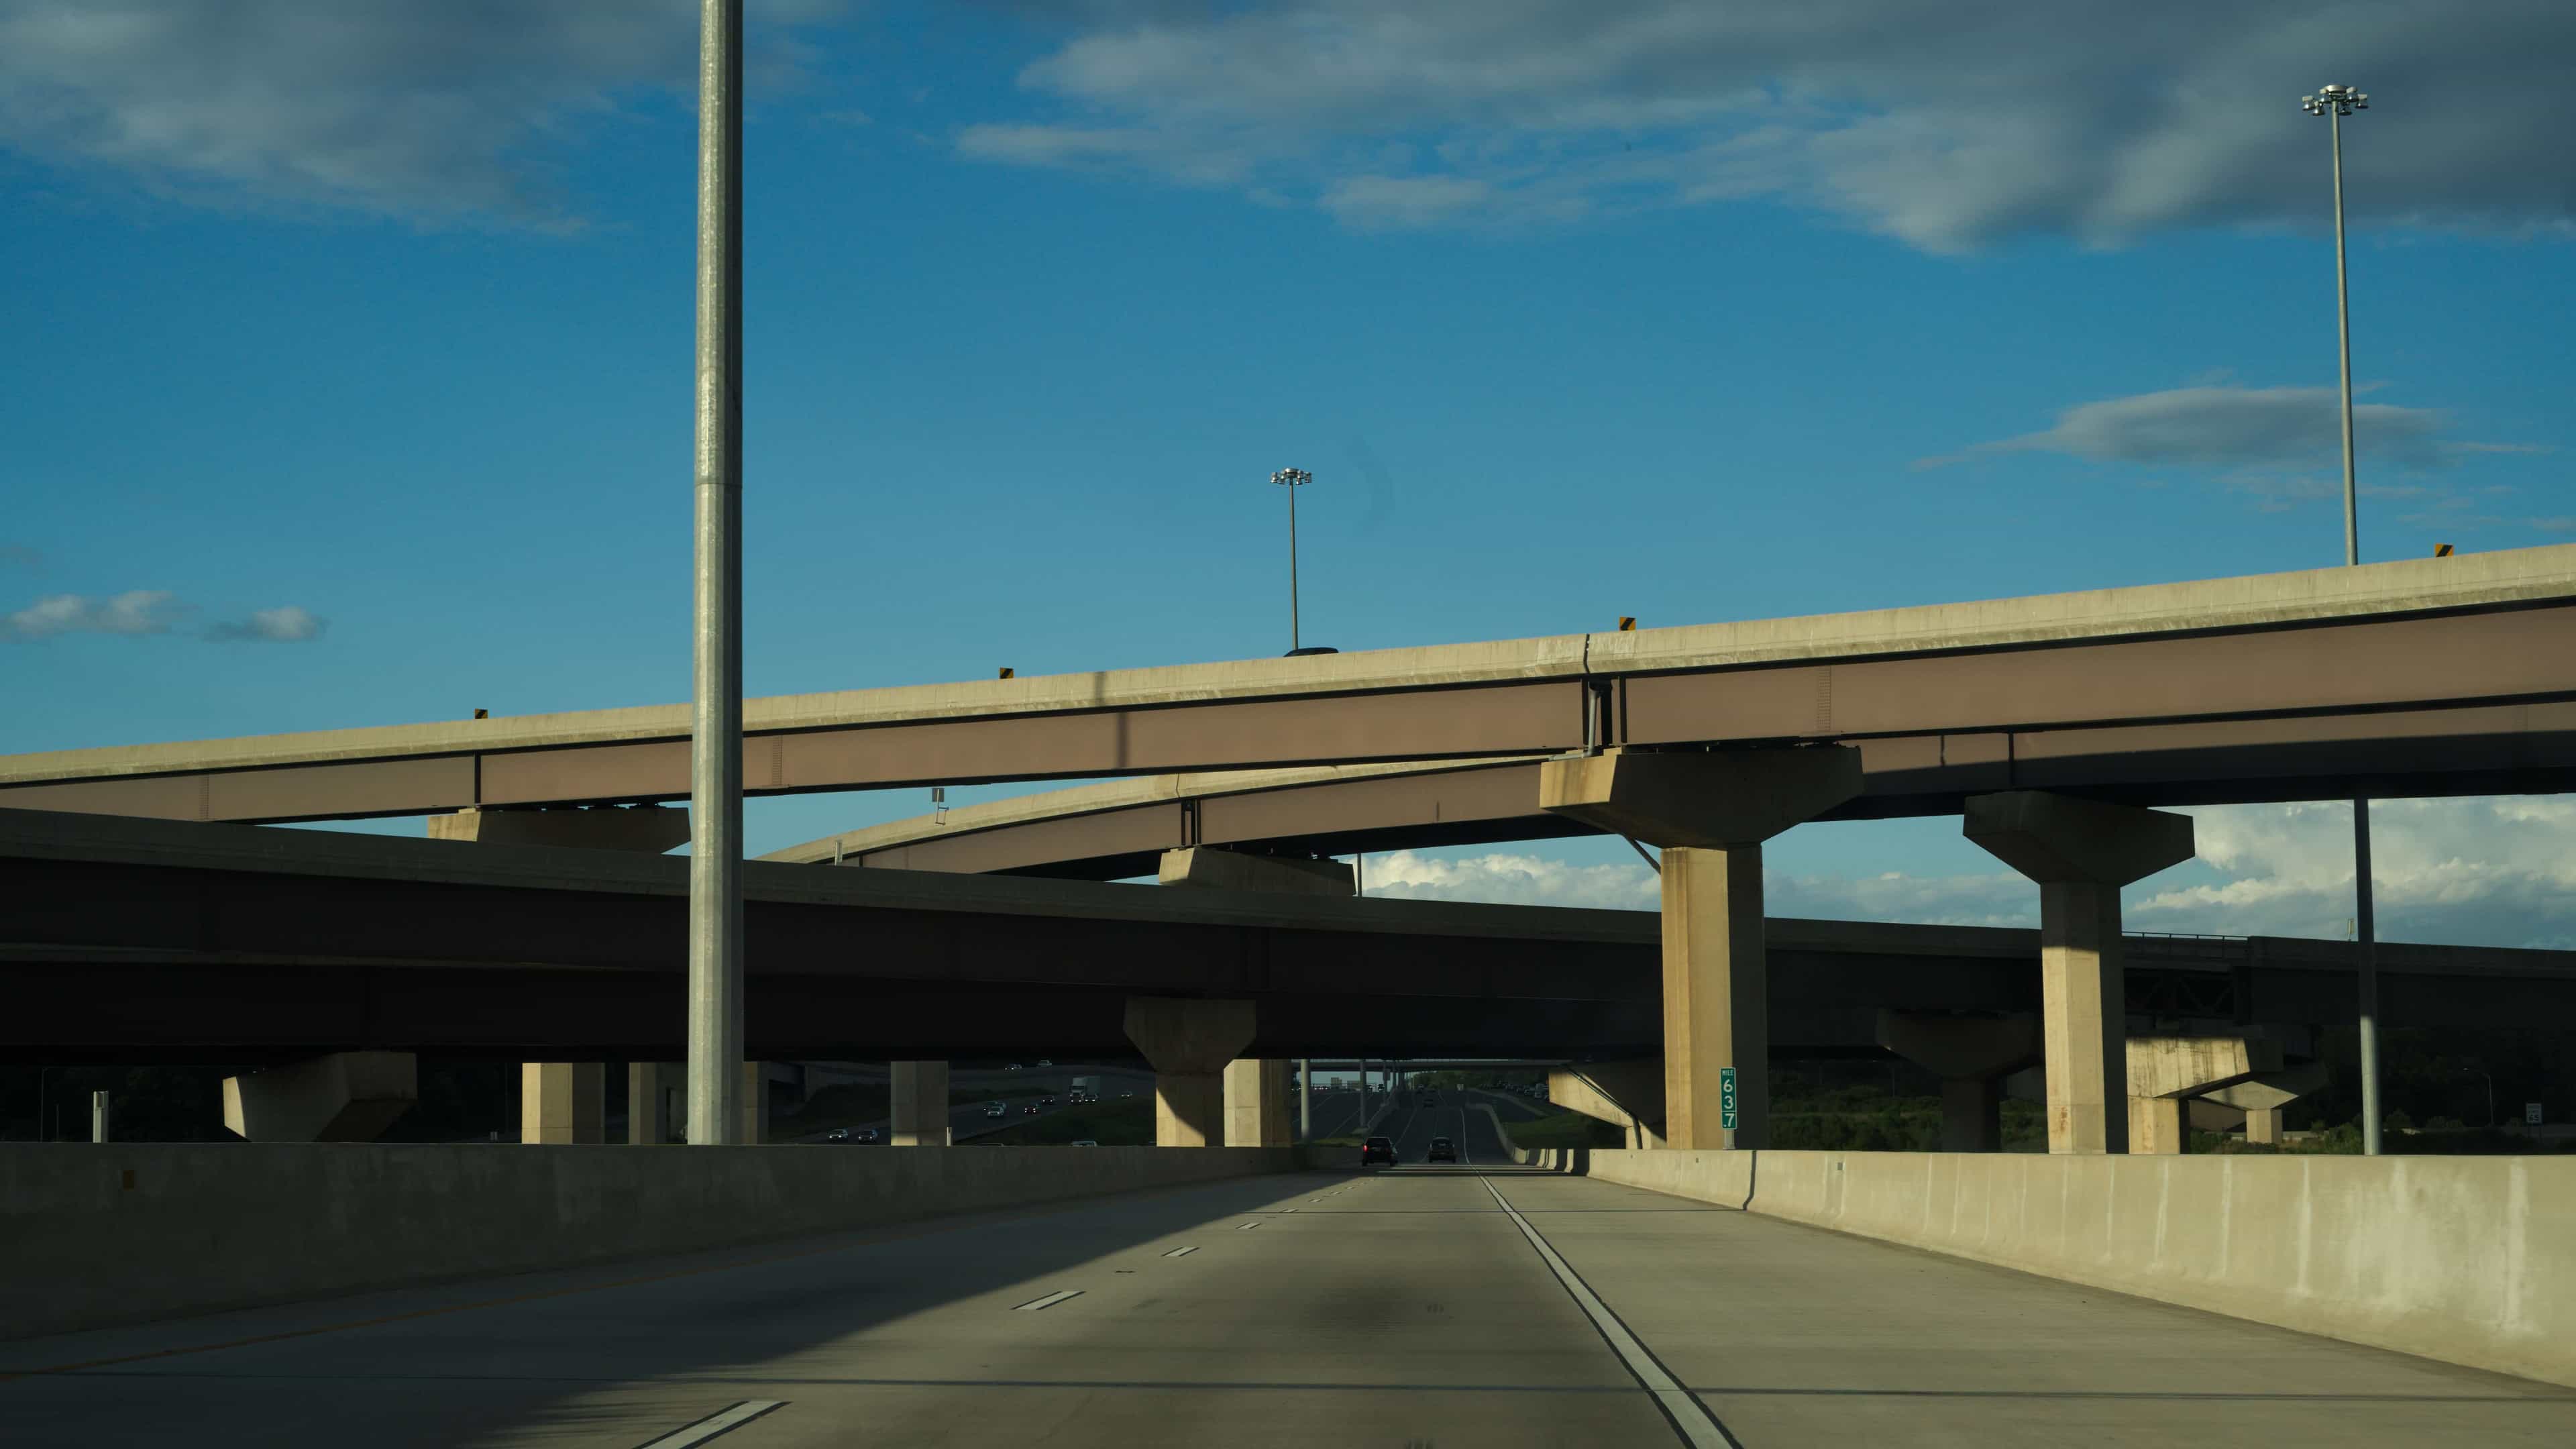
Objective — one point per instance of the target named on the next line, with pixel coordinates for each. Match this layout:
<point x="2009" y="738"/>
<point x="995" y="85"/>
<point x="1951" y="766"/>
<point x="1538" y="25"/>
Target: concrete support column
<point x="755" y="1103"/>
<point x="342" y="1097"/>
<point x="2157" y="1125"/>
<point x="2262" y="1096"/>
<point x="562" y="1101"/>
<point x="1710" y="811"/>
<point x="2083" y="1012"/>
<point x="1717" y="1011"/>
<point x="98" y="1117"/>
<point x="2080" y="852"/>
<point x="655" y="1108"/>
<point x="2263" y="1124"/>
<point x="917" y="1104"/>
<point x="1256" y="1103"/>
<point x="1972" y="1118"/>
<point x="1188" y="1043"/>
<point x="1627" y="1095"/>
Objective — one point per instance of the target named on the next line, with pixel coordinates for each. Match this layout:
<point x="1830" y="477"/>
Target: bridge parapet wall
<point x="97" y="1235"/>
<point x="2471" y="1260"/>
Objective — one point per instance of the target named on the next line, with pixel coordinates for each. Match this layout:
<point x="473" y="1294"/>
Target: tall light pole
<point x="715" y="720"/>
<point x="2334" y="103"/>
<point x="1292" y="479"/>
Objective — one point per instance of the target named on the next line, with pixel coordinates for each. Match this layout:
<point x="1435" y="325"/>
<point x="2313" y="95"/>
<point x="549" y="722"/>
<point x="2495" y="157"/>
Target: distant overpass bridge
<point x="139" y="940"/>
<point x="2423" y="677"/>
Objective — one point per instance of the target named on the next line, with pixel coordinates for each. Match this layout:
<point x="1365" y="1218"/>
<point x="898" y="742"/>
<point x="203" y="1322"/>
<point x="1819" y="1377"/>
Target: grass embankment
<point x="1128" y="1122"/>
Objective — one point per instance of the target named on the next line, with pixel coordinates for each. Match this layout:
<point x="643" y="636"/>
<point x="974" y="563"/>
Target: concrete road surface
<point x="1406" y="1307"/>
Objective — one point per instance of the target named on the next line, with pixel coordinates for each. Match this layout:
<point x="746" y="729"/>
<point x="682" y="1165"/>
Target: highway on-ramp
<point x="1468" y="1307"/>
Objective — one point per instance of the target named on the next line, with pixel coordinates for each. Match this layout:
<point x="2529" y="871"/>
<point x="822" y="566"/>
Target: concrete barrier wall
<point x="2466" y="1259"/>
<point x="97" y="1235"/>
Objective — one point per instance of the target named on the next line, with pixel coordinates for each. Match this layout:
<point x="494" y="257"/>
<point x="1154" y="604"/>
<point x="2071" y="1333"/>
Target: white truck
<point x="1084" y="1089"/>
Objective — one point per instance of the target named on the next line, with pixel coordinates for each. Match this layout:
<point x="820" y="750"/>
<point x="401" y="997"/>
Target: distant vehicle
<point x="1030" y="1110"/>
<point x="1126" y="1094"/>
<point x="1377" y="1149"/>
<point x="1442" y="1150"/>
<point x="1013" y="1067"/>
<point x="1047" y="1101"/>
<point x="837" y="1134"/>
<point x="1044" y="1062"/>
<point x="996" y="1109"/>
<point x="1083" y="1142"/>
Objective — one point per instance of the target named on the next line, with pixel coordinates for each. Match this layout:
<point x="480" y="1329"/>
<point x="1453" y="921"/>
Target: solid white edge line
<point x="1049" y="1301"/>
<point x="1182" y="1252"/>
<point x="715" y="1423"/>
<point x="1696" y="1424"/>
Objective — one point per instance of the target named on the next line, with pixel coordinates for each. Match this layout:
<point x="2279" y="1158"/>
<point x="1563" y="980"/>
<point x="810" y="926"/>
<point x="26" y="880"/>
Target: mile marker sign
<point x="1726" y="1098"/>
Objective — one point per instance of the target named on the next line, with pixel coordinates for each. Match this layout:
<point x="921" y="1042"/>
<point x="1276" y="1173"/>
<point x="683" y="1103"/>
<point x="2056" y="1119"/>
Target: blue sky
<point x="349" y="377"/>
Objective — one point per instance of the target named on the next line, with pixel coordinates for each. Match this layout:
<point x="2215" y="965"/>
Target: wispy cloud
<point x="2225" y="427"/>
<point x="141" y="611"/>
<point x="288" y="625"/>
<point x="1946" y="126"/>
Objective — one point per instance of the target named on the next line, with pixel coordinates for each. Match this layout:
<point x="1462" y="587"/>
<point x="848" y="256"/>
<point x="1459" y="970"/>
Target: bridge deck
<point x="1400" y="1308"/>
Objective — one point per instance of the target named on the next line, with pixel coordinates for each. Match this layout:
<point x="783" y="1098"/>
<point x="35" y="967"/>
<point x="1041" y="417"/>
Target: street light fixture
<point x="2334" y="103"/>
<point x="1292" y="479"/>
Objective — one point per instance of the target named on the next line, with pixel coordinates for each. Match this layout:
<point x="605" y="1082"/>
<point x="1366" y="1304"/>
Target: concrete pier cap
<point x="1703" y="799"/>
<point x="651" y="829"/>
<point x="2056" y="839"/>
<point x="1219" y="869"/>
<point x="343" y="1097"/>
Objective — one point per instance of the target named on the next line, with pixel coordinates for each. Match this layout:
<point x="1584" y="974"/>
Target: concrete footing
<point x="343" y="1097"/>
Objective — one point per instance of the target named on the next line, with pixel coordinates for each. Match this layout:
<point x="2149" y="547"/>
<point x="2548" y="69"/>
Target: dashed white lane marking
<point x="1182" y="1252"/>
<point x="1689" y="1417"/>
<point x="1248" y="1227"/>
<point x="1049" y="1301"/>
<point x="722" y="1421"/>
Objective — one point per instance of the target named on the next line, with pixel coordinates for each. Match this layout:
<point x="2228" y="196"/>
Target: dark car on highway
<point x="1442" y="1150"/>
<point x="1377" y="1149"/>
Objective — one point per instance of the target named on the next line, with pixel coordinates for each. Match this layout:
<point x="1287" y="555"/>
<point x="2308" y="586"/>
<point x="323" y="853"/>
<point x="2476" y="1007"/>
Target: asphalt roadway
<point x="1413" y="1306"/>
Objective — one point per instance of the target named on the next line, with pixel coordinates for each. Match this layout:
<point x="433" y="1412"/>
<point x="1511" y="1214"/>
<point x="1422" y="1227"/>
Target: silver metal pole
<point x="715" y="757"/>
<point x="98" y="1117"/>
<point x="1292" y="566"/>
<point x="2343" y="346"/>
<point x="2365" y="941"/>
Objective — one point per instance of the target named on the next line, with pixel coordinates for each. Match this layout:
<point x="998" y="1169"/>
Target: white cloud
<point x="434" y="111"/>
<point x="288" y="625"/>
<point x="142" y="611"/>
<point x="1948" y="126"/>
<point x="2232" y="426"/>
<point x="2497" y="870"/>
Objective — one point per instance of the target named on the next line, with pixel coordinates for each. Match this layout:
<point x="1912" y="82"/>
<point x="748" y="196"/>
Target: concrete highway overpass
<point x="137" y="940"/>
<point x="2422" y="677"/>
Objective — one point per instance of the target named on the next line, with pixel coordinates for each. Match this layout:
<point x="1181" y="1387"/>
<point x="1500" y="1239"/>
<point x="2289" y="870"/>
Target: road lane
<point x="1389" y="1307"/>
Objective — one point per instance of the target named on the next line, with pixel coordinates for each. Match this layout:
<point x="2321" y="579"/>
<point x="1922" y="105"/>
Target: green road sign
<point x="1726" y="1098"/>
